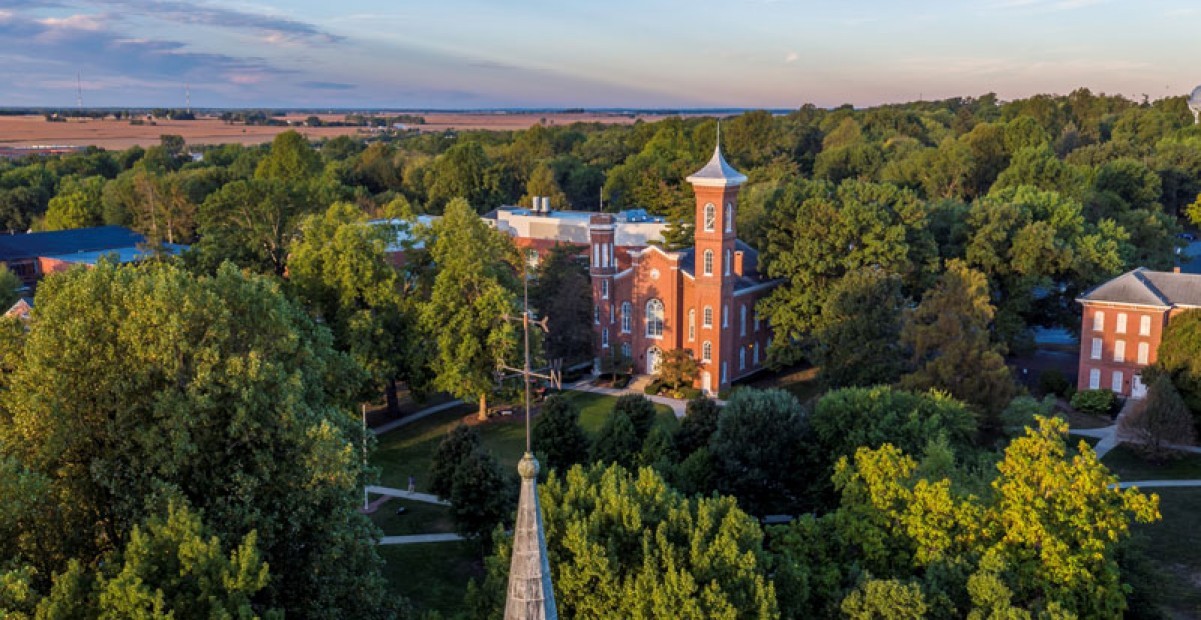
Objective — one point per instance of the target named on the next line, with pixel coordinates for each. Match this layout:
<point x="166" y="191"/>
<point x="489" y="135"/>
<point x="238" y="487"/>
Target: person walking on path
<point x="412" y="484"/>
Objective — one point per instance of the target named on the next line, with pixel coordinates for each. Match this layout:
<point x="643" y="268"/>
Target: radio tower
<point x="78" y="91"/>
<point x="187" y="95"/>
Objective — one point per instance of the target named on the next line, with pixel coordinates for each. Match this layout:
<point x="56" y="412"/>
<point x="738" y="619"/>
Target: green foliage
<point x="858" y="332"/>
<point x="558" y="439"/>
<point x="1096" y="402"/>
<point x="948" y="332"/>
<point x="542" y="183"/>
<point x="472" y="291"/>
<point x="1023" y="412"/>
<point x="454" y="449"/>
<point x="1054" y="382"/>
<point x="482" y="496"/>
<point x="291" y="160"/>
<point x="699" y="424"/>
<point x="77" y="204"/>
<point x="1160" y="421"/>
<point x="562" y="292"/>
<point x="677" y="369"/>
<point x="10" y="285"/>
<point x="756" y="450"/>
<point x="617" y="441"/>
<point x="639" y="410"/>
<point x="1179" y="355"/>
<point x="139" y="385"/>
<point x="625" y="545"/>
<point x="885" y="598"/>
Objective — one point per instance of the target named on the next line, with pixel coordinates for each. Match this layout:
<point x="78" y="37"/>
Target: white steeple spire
<point x="717" y="172"/>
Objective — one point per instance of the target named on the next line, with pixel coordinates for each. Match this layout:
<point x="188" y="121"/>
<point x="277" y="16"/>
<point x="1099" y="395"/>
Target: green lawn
<point x="1173" y="547"/>
<point x="418" y="518"/>
<point x="1130" y="465"/>
<point x="802" y="382"/>
<point x="433" y="575"/>
<point x="409" y="449"/>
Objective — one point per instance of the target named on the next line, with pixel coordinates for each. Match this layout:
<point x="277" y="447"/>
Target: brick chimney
<point x="738" y="263"/>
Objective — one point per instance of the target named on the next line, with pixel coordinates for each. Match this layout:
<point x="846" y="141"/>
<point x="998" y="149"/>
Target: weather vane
<point x="554" y="373"/>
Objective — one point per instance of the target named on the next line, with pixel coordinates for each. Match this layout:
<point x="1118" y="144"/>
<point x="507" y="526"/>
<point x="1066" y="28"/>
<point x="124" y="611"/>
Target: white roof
<point x="717" y="172"/>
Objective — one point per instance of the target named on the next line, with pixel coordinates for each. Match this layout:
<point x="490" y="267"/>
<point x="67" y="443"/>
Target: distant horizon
<point x="540" y="54"/>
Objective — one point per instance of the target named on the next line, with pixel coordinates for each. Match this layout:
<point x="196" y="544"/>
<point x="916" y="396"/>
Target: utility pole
<point x="187" y="95"/>
<point x="553" y="372"/>
<point x="365" y="431"/>
<point x="78" y="91"/>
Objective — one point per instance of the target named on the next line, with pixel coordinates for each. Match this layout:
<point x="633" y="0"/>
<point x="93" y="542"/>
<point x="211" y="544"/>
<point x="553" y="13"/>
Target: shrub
<point x="1098" y="402"/>
<point x="653" y="388"/>
<point x="689" y="393"/>
<point x="621" y="381"/>
<point x="1054" y="382"/>
<point x="639" y="410"/>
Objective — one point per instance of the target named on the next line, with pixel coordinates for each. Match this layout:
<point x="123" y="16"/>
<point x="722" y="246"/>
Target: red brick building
<point x="1122" y="325"/>
<point x="649" y="301"/>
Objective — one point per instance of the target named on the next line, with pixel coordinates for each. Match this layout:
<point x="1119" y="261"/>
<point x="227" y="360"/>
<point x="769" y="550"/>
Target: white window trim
<point x="709" y="223"/>
<point x="707" y="262"/>
<point x="605" y="338"/>
<point x="1094" y="379"/>
<point x="692" y="325"/>
<point x="742" y="320"/>
<point x="1098" y="321"/>
<point x="1144" y="325"/>
<point x="707" y="318"/>
<point x="1144" y="353"/>
<point x="1121" y="326"/>
<point x="1096" y="350"/>
<point x="1116" y="381"/>
<point x="707" y="352"/>
<point x="1119" y="351"/>
<point x="604" y="289"/>
<point x="626" y="311"/>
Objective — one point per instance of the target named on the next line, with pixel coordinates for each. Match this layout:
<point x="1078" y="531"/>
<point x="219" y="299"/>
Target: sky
<point x="473" y="54"/>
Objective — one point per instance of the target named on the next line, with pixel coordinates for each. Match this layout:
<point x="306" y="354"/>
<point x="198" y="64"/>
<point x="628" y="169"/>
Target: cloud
<point x="75" y="22"/>
<point x="1042" y="6"/>
<point x="319" y="85"/>
<point x="198" y="13"/>
<point x="792" y="57"/>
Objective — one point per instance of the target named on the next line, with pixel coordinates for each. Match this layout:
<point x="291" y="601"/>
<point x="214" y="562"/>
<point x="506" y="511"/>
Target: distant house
<point x="21" y="309"/>
<point x="1123" y="323"/>
<point x="33" y="255"/>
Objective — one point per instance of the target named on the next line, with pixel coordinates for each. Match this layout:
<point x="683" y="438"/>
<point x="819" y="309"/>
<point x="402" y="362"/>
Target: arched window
<point x="605" y="338"/>
<point x="626" y="311"/>
<point x="708" y="262"/>
<point x="729" y="217"/>
<point x="710" y="217"/>
<point x="708" y="318"/>
<point x="742" y="320"/>
<point x="707" y="351"/>
<point x="741" y="358"/>
<point x="654" y="318"/>
<point x="726" y="263"/>
<point x="691" y="324"/>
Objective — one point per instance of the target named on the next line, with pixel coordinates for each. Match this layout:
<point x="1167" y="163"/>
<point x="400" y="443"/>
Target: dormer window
<point x="710" y="217"/>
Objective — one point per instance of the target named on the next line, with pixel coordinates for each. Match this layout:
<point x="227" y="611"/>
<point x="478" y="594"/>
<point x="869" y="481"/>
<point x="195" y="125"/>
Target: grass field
<point x="1172" y="546"/>
<point x="418" y="518"/>
<point x="409" y="449"/>
<point x="433" y="575"/>
<point x="1130" y="465"/>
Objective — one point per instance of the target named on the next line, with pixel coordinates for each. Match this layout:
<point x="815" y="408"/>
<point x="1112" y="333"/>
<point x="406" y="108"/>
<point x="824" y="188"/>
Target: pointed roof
<point x="718" y="172"/>
<point x="530" y="595"/>
<point x="1142" y="287"/>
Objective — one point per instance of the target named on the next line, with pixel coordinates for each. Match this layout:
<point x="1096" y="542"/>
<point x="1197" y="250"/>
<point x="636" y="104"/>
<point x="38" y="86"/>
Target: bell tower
<point x="716" y="188"/>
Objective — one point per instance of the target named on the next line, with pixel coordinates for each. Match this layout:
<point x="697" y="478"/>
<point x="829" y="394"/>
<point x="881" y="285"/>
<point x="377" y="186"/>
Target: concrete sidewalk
<point x="1151" y="484"/>
<point x="678" y="407"/>
<point x="399" y="494"/>
<point x="419" y="538"/>
<point x="424" y="413"/>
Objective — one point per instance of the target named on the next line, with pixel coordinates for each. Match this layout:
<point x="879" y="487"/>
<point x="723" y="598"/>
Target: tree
<point x="562" y="292"/>
<point x="481" y="495"/>
<point x="77" y="204"/>
<point x="1161" y="421"/>
<point x="859" y="329"/>
<point x="625" y="545"/>
<point x="542" y="183"/>
<point x="616" y="442"/>
<point x="291" y="161"/>
<point x="756" y="450"/>
<point x="471" y="293"/>
<point x="948" y="334"/>
<point x="558" y="439"/>
<point x="885" y="598"/>
<point x="341" y="269"/>
<point x="140" y="384"/>
<point x="10" y="287"/>
<point x="678" y="369"/>
<point x="1179" y="355"/>
<point x="454" y="449"/>
<point x="639" y="409"/>
<point x="698" y="425"/>
<point x="460" y="173"/>
<point x="250" y="223"/>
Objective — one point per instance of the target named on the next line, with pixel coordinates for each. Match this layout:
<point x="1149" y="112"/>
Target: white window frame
<point x="1144" y="325"/>
<point x="1121" y="326"/>
<point x="742" y="320"/>
<point x="1096" y="351"/>
<point x="604" y="289"/>
<point x="626" y="310"/>
<point x="707" y="319"/>
<point x="707" y="352"/>
<point x="596" y="314"/>
<point x="1144" y="353"/>
<point x="710" y="223"/>
<point x="654" y="328"/>
<point x="726" y="266"/>
<point x="729" y="217"/>
<point x="1119" y="351"/>
<point x="707" y="262"/>
<point x="1098" y="321"/>
<point x="605" y="338"/>
<point x="725" y="315"/>
<point x="724" y="375"/>
<point x="691" y="324"/>
<point x="1094" y="379"/>
<point x="1116" y="381"/>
